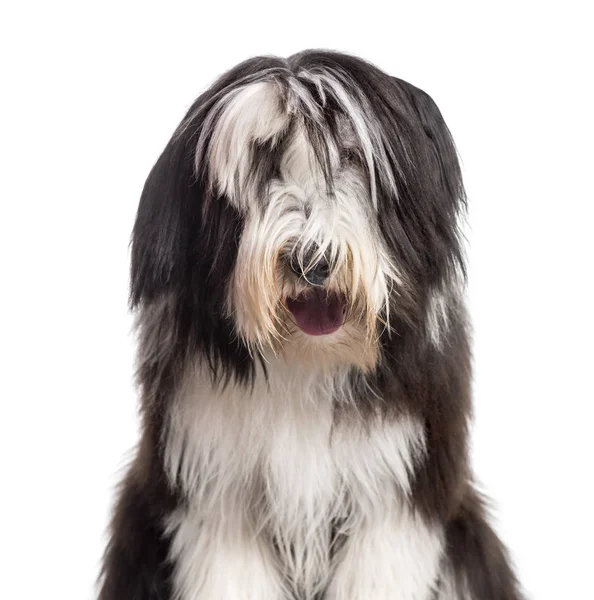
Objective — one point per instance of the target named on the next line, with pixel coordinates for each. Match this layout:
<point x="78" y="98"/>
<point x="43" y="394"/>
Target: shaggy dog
<point x="304" y="364"/>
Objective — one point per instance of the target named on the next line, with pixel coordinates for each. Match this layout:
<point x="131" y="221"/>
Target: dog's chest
<point x="277" y="466"/>
<point x="282" y="440"/>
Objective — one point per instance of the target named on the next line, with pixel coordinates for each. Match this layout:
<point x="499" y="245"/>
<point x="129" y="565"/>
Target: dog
<point x="304" y="363"/>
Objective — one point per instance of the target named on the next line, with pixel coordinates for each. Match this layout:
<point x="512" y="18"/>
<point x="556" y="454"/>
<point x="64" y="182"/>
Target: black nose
<point x="316" y="272"/>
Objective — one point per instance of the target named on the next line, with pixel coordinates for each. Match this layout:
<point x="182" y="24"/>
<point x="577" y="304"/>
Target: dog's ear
<point x="168" y="213"/>
<point x="184" y="247"/>
<point x="444" y="167"/>
<point x="433" y="191"/>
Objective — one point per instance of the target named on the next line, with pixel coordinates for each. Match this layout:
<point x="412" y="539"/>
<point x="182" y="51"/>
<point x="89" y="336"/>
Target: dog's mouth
<point x="318" y="312"/>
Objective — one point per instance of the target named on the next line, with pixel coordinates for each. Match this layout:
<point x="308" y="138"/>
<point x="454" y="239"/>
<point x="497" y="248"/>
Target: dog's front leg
<point x="396" y="557"/>
<point x="220" y="557"/>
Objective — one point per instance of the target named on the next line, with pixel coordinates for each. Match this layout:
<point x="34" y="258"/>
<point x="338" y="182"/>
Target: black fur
<point x="184" y="247"/>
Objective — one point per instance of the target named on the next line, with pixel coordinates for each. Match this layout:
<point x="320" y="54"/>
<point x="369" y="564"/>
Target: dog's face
<point x="304" y="209"/>
<point x="313" y="276"/>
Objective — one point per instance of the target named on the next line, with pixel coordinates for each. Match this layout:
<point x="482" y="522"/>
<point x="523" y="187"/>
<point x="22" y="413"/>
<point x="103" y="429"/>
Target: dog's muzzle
<point x="316" y="311"/>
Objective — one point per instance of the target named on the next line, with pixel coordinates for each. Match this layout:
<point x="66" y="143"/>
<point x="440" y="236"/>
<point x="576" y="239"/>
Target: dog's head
<point x="305" y="208"/>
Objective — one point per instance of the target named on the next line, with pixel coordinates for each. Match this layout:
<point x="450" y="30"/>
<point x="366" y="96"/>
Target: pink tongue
<point x="318" y="313"/>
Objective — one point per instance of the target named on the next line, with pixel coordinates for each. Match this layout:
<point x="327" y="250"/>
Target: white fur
<point x="394" y="556"/>
<point x="437" y="317"/>
<point x="444" y="303"/>
<point x="247" y="114"/>
<point x="275" y="464"/>
<point x="218" y="555"/>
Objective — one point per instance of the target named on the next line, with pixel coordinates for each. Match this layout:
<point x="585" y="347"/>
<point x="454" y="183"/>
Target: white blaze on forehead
<point x="262" y="111"/>
<point x="299" y="166"/>
<point x="253" y="113"/>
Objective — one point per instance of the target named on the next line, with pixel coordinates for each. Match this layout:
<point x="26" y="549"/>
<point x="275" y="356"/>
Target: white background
<point x="91" y="92"/>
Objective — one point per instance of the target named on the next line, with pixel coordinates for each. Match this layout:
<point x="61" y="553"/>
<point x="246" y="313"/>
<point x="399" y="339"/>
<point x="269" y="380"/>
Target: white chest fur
<point x="268" y="473"/>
